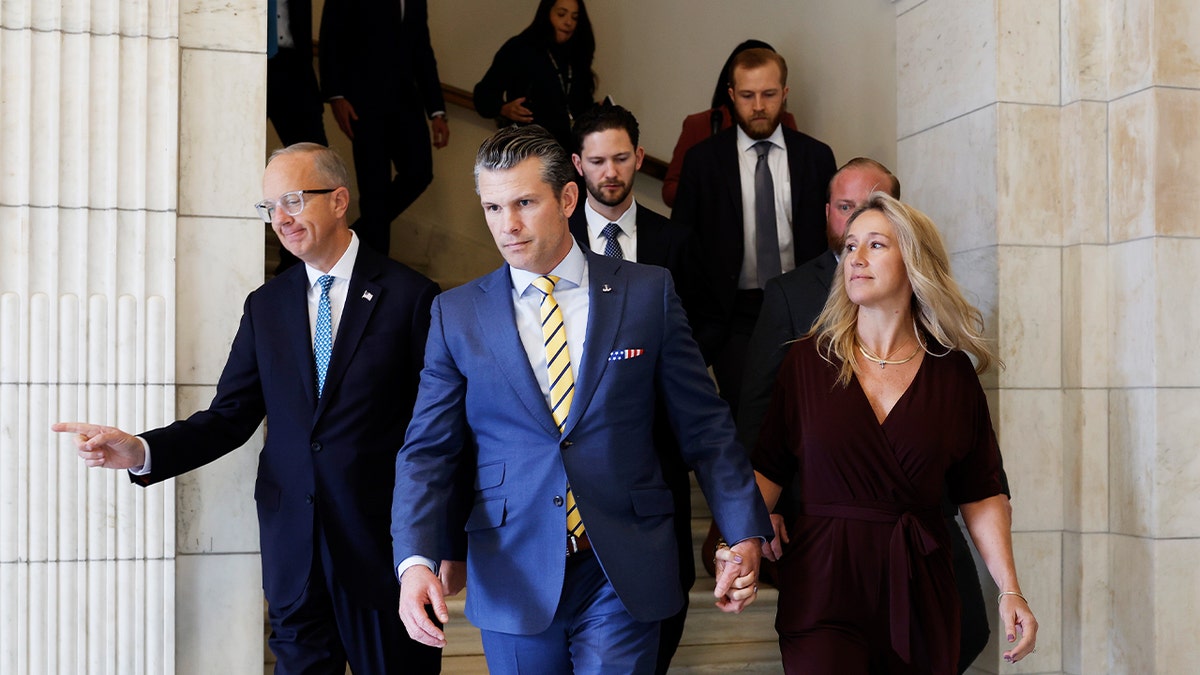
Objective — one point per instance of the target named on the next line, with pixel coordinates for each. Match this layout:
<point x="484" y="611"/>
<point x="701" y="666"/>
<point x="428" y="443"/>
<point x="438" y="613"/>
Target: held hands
<point x="419" y="587"/>
<point x="737" y="575"/>
<point x="773" y="550"/>
<point x="1016" y="616"/>
<point x="344" y="114"/>
<point x="108" y="447"/>
<point x="516" y="111"/>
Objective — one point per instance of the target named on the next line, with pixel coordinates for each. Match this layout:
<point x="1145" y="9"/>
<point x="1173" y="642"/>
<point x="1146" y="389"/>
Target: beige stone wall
<point x="1055" y="144"/>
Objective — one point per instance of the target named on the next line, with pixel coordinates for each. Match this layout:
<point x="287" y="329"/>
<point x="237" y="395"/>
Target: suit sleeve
<point x="707" y="439"/>
<point x="424" y="63"/>
<point x="334" y="60"/>
<point x="429" y="466"/>
<point x="235" y="412"/>
<point x="696" y="279"/>
<point x="764" y="354"/>
<point x="498" y="83"/>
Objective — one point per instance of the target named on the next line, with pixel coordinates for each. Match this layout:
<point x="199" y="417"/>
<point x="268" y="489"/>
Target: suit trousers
<point x="591" y="633"/>
<point x="324" y="629"/>
<point x="389" y="135"/>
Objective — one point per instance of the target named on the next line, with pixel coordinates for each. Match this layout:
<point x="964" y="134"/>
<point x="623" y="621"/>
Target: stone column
<point x="131" y="140"/>
<point x="1054" y="143"/>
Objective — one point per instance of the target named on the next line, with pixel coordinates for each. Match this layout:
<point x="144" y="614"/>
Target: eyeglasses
<point x="292" y="203"/>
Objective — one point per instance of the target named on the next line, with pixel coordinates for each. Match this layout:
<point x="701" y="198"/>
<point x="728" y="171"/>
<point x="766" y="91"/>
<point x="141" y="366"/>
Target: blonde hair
<point x="938" y="306"/>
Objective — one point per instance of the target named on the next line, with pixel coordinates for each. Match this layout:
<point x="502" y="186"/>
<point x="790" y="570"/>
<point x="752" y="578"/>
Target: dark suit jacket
<point x="709" y="204"/>
<point x="661" y="242"/>
<point x="791" y="302"/>
<point x="478" y="386"/>
<point x="330" y="460"/>
<point x="373" y="58"/>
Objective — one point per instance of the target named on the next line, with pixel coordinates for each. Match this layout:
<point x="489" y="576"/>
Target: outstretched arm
<point x="101" y="446"/>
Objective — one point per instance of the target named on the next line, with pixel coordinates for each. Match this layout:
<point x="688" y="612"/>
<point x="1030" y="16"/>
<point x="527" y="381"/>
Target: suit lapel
<point x="362" y="296"/>
<point x="494" y="310"/>
<point x="297" y="333"/>
<point x="606" y="305"/>
<point x="732" y="172"/>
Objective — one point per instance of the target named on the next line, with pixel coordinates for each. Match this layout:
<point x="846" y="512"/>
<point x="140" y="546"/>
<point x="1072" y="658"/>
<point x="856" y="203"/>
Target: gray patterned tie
<point x="766" y="237"/>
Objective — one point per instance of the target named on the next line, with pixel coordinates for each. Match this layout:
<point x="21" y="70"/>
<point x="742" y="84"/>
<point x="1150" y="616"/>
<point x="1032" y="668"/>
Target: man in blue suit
<point x="555" y="427"/>
<point x="329" y="352"/>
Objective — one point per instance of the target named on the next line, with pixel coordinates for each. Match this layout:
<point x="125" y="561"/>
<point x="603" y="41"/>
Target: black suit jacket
<point x="709" y="204"/>
<point x="372" y="57"/>
<point x="661" y="242"/>
<point x="791" y="302"/>
<point x="331" y="460"/>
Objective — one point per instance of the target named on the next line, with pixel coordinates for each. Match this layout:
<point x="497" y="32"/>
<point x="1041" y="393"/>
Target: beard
<point x="759" y="127"/>
<point x="597" y="192"/>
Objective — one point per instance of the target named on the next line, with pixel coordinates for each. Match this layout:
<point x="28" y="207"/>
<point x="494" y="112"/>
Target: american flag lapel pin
<point x="368" y="296"/>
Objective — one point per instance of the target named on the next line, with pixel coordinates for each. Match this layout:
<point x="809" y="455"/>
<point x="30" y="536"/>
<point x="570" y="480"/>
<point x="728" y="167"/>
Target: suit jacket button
<point x="566" y="444"/>
<point x="308" y="499"/>
<point x="316" y="447"/>
<point x="558" y="501"/>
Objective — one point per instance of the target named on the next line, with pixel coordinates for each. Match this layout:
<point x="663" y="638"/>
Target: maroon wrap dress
<point x="866" y="583"/>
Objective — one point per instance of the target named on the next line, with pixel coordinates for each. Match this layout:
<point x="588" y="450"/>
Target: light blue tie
<point x="323" y="340"/>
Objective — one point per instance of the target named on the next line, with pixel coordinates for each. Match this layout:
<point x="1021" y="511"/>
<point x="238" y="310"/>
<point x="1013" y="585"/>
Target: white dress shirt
<point x="782" y="177"/>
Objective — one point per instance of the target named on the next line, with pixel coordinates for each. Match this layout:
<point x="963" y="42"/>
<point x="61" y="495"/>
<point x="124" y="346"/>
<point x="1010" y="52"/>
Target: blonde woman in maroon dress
<point x="879" y="409"/>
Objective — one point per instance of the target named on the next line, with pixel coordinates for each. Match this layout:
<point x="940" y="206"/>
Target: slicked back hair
<point x="867" y="163"/>
<point x="512" y="145"/>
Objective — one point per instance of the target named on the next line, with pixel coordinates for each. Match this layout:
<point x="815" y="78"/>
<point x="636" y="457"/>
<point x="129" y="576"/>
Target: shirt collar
<point x="596" y="222"/>
<point x="745" y="143"/>
<point x="342" y="269"/>
<point x="570" y="271"/>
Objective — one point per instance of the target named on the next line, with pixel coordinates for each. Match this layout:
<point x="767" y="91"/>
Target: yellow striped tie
<point x="562" y="382"/>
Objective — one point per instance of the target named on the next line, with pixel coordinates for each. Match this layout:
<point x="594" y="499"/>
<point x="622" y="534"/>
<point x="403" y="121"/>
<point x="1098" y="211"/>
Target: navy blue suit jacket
<point x="480" y="405"/>
<point x="329" y="460"/>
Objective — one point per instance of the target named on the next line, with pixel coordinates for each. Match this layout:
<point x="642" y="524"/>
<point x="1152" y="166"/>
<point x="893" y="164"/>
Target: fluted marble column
<point x="131" y="143"/>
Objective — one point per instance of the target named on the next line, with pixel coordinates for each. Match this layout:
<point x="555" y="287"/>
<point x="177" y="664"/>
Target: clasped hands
<point x="737" y="575"/>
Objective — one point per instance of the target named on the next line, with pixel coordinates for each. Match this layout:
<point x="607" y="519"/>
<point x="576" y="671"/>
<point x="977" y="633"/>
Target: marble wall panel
<point x="1133" y="460"/>
<point x="222" y="136"/>
<point x="1132" y="144"/>
<point x="950" y="173"/>
<point x="946" y="61"/>
<point x="1029" y="175"/>
<point x="1085" y="51"/>
<point x="16" y="71"/>
<point x="237" y="25"/>
<point x="1030" y="431"/>
<point x="1131" y="630"/>
<point x="1084" y="183"/>
<point x="1176" y="159"/>
<point x="1030" y="316"/>
<point x="1085" y="305"/>
<point x="1176" y="50"/>
<point x="1177" y="594"/>
<point x="1177" y="472"/>
<point x="1087" y="603"/>
<point x="1133" y="312"/>
<point x="219" y="264"/>
<point x="1131" y="57"/>
<point x="231" y="618"/>
<point x="1039" y="558"/>
<point x="1091" y="415"/>
<point x="215" y="504"/>
<point x="1028" y="51"/>
<point x="1177" y="357"/>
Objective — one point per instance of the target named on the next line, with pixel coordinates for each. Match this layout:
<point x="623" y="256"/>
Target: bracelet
<point x="1004" y="593"/>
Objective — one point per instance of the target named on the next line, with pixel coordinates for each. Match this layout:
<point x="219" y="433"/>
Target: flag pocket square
<point x="622" y="354"/>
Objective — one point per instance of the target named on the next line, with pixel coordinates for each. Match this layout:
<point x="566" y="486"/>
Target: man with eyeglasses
<point x="330" y="352"/>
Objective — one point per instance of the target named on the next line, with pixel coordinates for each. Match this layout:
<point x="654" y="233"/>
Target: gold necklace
<point x="884" y="362"/>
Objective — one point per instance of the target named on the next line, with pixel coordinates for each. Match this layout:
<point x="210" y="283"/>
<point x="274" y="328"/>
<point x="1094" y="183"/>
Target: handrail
<point x="651" y="166"/>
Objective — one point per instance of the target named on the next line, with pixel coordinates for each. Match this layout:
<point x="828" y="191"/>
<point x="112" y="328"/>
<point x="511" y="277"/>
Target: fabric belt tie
<point x="910" y="537"/>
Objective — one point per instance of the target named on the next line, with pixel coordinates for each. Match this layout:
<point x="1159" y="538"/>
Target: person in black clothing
<point x="544" y="74"/>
